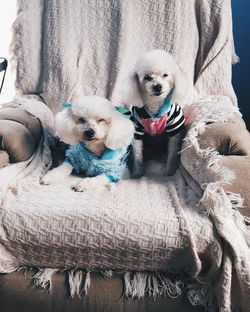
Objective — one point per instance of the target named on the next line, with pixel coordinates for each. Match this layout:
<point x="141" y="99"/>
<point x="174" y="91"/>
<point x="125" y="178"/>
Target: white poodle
<point x="154" y="93"/>
<point x="99" y="137"/>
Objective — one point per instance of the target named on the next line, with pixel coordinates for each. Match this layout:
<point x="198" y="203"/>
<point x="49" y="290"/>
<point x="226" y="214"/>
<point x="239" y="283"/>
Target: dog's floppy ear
<point x="183" y="89"/>
<point x="121" y="131"/>
<point x="64" y="126"/>
<point x="130" y="92"/>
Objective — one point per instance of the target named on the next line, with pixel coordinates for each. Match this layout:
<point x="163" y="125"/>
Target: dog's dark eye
<point x="148" y="78"/>
<point x="165" y="75"/>
<point x="101" y="120"/>
<point x="82" y="120"/>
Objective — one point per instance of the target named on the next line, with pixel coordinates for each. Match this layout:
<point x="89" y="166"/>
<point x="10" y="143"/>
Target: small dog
<point x="154" y="93"/>
<point x="99" y="137"/>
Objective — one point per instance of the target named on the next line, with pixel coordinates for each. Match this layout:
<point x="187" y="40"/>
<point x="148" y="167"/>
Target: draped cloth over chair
<point x="164" y="235"/>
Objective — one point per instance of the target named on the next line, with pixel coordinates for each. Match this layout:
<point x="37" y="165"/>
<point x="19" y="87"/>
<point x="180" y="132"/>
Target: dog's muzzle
<point x="157" y="89"/>
<point x="89" y="134"/>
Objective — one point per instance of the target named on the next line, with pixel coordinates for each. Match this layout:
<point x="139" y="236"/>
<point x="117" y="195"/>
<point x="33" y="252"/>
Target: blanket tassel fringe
<point x="136" y="285"/>
<point x="43" y="278"/>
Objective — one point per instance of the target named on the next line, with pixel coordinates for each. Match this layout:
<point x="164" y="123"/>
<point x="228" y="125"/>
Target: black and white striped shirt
<point x="171" y="122"/>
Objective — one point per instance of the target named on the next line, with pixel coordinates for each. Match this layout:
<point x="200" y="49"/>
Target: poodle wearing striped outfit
<point x="154" y="93"/>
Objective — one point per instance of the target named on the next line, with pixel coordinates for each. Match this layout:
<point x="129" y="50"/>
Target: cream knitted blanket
<point x="63" y="48"/>
<point x="158" y="228"/>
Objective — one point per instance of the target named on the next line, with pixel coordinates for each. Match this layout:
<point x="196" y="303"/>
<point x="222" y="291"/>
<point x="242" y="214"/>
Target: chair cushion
<point x="105" y="294"/>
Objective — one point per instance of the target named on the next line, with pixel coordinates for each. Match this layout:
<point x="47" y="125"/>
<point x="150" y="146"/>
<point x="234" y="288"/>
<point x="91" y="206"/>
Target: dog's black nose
<point x="157" y="88"/>
<point x="89" y="134"/>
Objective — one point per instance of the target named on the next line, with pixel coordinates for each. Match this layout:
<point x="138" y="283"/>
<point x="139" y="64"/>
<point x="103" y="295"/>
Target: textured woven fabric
<point x="128" y="228"/>
<point x="154" y="224"/>
<point x="88" y="47"/>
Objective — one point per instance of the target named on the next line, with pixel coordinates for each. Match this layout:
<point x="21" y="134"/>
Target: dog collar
<point x="156" y="124"/>
<point x="66" y="104"/>
<point x="106" y="155"/>
<point x="165" y="108"/>
<point x="124" y="111"/>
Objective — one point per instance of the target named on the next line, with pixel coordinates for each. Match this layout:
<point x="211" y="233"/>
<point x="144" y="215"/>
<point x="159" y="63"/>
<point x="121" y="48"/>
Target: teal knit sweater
<point x="111" y="163"/>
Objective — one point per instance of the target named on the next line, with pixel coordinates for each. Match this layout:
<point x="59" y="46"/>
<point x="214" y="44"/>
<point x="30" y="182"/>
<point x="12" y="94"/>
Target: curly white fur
<point x="156" y="64"/>
<point x="94" y="121"/>
<point x="155" y="74"/>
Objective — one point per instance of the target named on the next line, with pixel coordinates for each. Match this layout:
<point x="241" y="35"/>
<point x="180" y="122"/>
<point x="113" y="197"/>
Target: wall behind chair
<point x="7" y="16"/>
<point x="241" y="70"/>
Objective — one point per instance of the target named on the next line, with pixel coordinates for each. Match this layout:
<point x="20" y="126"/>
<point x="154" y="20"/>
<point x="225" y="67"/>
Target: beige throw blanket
<point x="62" y="48"/>
<point x="157" y="227"/>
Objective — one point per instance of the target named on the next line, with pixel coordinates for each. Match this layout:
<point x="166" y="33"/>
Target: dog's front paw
<point x="137" y="172"/>
<point x="170" y="172"/>
<point x="82" y="186"/>
<point x="49" y="178"/>
<point x="91" y="183"/>
<point x="171" y="168"/>
<point x="57" y="175"/>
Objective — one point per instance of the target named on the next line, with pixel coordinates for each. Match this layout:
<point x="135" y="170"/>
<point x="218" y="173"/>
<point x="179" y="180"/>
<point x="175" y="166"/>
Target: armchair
<point x="53" y="229"/>
<point x="20" y="133"/>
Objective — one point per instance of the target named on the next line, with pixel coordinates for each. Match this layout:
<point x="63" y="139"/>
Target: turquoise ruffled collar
<point x="165" y="108"/>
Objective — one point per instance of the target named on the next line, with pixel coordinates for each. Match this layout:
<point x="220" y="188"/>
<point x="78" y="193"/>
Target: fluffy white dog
<point x="99" y="137"/>
<point x="154" y="93"/>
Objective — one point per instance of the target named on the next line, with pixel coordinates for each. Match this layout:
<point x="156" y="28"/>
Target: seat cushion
<point x="105" y="294"/>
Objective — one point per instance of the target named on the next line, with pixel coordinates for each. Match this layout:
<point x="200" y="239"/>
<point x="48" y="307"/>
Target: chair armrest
<point x="228" y="138"/>
<point x="22" y="117"/>
<point x="16" y="140"/>
<point x="20" y="133"/>
<point x="232" y="141"/>
<point x="4" y="159"/>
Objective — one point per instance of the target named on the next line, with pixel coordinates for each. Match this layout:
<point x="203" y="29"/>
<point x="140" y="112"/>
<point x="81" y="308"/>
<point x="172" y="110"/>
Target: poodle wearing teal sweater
<point x="99" y="137"/>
